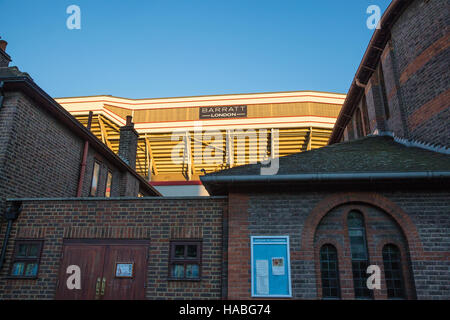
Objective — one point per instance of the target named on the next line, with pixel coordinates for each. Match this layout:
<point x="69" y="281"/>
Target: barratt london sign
<point x="223" y="112"/>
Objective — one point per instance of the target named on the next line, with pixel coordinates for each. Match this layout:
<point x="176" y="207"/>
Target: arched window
<point x="393" y="272"/>
<point x="359" y="253"/>
<point x="329" y="272"/>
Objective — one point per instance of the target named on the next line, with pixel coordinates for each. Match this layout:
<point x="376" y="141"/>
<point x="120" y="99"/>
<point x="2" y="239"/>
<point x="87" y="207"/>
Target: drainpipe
<point x="11" y="214"/>
<point x="83" y="160"/>
<point x="2" y="97"/>
<point x="2" y="93"/>
<point x="359" y="84"/>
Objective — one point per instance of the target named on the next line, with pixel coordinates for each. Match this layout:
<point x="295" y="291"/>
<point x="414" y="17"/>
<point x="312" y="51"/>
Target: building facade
<point x="98" y="234"/>
<point x="47" y="153"/>
<point x="210" y="133"/>
<point x="402" y="84"/>
<point x="363" y="201"/>
<point x="374" y="201"/>
<point x="339" y="217"/>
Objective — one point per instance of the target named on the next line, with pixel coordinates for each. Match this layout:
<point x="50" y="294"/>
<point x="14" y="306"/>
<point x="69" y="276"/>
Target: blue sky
<point x="166" y="48"/>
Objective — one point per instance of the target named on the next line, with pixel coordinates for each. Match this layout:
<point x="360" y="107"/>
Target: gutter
<point x="11" y="214"/>
<point x="325" y="177"/>
<point x="209" y="181"/>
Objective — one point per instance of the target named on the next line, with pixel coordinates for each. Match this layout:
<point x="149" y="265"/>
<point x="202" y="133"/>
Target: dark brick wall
<point x="129" y="186"/>
<point x="420" y="40"/>
<point x="375" y="110"/>
<point x="116" y="190"/>
<point x="38" y="156"/>
<point x="128" y="144"/>
<point x="396" y="121"/>
<point x="4" y="59"/>
<point x="158" y="220"/>
<point x="430" y="213"/>
<point x="418" y="222"/>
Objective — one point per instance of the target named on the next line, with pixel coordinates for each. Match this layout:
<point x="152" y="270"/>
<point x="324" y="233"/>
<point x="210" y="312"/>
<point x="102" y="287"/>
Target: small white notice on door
<point x="262" y="277"/>
<point x="278" y="266"/>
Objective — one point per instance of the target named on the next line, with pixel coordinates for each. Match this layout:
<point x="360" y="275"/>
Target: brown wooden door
<point x="125" y="287"/>
<point x="98" y="262"/>
<point x="90" y="259"/>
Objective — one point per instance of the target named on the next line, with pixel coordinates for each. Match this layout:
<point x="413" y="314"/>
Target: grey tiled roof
<point x="368" y="154"/>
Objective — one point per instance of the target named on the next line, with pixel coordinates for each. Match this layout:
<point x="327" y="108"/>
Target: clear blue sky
<point x="165" y="48"/>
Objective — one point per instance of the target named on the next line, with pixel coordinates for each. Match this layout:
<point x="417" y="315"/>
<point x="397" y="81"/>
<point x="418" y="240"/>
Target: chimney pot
<point x="5" y="59"/>
<point x="3" y="45"/>
<point x="129" y="121"/>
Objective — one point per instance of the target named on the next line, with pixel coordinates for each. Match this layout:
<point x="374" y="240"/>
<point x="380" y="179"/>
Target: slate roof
<point x="368" y="154"/>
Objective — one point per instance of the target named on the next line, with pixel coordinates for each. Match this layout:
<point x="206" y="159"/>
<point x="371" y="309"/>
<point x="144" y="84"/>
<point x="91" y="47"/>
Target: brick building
<point x="45" y="152"/>
<point x="377" y="195"/>
<point x="402" y="83"/>
<point x="394" y="200"/>
<point x="380" y="197"/>
<point x="96" y="233"/>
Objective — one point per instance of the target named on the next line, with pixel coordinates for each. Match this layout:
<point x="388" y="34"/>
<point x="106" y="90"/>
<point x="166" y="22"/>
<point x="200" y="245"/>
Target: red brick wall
<point x="238" y="247"/>
<point x="157" y="220"/>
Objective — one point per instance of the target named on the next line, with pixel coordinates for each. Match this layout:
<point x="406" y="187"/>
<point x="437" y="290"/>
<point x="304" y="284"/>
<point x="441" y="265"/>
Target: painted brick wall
<point x="422" y="217"/>
<point x="157" y="220"/>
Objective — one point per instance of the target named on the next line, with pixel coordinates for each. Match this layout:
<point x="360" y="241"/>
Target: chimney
<point x="4" y="57"/>
<point x="128" y="143"/>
